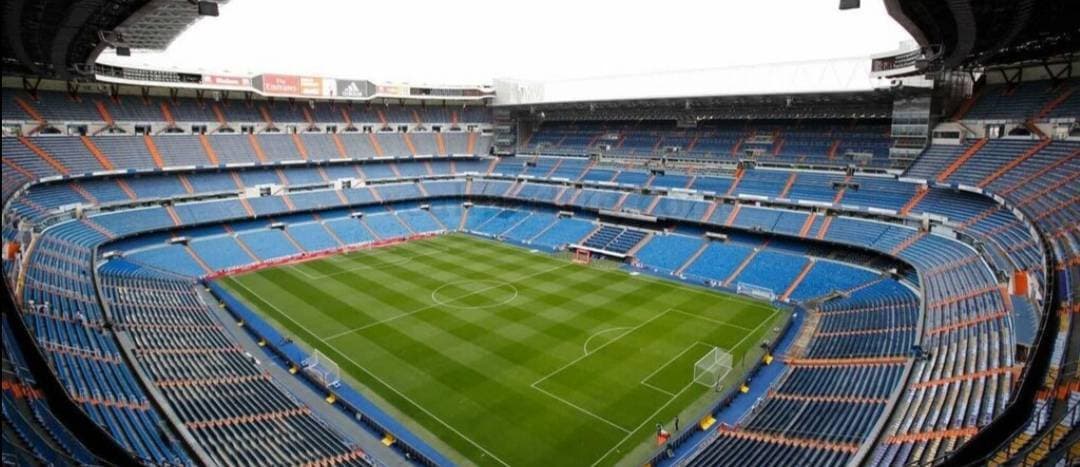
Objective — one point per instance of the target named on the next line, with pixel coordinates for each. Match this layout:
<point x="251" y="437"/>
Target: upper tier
<point x="58" y="107"/>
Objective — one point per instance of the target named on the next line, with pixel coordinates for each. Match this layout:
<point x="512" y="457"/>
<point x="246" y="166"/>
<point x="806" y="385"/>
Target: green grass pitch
<point x="511" y="357"/>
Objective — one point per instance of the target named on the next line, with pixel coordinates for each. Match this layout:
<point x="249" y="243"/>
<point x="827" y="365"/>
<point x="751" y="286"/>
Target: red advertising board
<point x="280" y="84"/>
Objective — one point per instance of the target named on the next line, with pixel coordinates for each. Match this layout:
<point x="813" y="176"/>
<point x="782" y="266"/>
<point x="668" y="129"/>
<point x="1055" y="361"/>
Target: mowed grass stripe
<point x="420" y="416"/>
<point x="465" y="370"/>
<point x="400" y="286"/>
<point x="397" y="288"/>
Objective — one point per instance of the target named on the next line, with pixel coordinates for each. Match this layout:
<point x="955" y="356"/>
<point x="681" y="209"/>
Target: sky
<point x="476" y="41"/>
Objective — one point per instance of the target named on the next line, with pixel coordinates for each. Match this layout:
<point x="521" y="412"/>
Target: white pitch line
<point x="377" y="378"/>
<point x="585" y="346"/>
<point x="647" y="420"/>
<point x="605" y="344"/>
<point x="436" y="305"/>
<point x="676" y="357"/>
<point x="655" y="388"/>
<point x="676" y="396"/>
<point x="365" y="267"/>
<point x="580" y="409"/>
<point x="711" y="320"/>
<point x="752" y="332"/>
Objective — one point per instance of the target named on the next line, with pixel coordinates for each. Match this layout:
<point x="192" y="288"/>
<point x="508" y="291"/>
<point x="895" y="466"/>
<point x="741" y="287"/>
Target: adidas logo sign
<point x="351" y="90"/>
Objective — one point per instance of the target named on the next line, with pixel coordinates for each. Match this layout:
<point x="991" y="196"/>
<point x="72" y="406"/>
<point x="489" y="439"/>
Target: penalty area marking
<point x="375" y="377"/>
<point x="676" y="396"/>
<point x="580" y="409"/>
<point x="645" y="381"/>
<point x="585" y="346"/>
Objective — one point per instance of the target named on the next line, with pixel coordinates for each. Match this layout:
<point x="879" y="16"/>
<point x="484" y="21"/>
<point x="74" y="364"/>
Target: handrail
<point x="69" y="413"/>
<point x="993" y="436"/>
<point x="1047" y="285"/>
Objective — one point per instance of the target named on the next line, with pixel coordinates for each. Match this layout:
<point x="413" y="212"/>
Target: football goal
<point x="712" y="368"/>
<point x="582" y="256"/>
<point x="755" y="291"/>
<point x="323" y="369"/>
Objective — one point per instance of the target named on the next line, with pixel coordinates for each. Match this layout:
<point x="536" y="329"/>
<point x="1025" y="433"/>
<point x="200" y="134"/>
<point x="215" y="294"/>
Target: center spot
<point x="474" y="294"/>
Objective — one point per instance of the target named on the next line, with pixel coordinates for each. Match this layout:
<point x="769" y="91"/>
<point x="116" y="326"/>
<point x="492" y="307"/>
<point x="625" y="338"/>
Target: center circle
<point x="465" y="294"/>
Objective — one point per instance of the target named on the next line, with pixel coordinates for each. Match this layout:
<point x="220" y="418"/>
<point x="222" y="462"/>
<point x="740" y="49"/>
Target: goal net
<point x="712" y="368"/>
<point x="582" y="256"/>
<point x="322" y="368"/>
<point x="755" y="291"/>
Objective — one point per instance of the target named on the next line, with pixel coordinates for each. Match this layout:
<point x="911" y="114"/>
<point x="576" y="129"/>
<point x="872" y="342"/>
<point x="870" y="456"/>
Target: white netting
<point x="322" y="368"/>
<point x="755" y="291"/>
<point x="712" y="367"/>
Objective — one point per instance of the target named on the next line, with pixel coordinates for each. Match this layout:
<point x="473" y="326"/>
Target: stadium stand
<point x="714" y="261"/>
<point x="928" y="287"/>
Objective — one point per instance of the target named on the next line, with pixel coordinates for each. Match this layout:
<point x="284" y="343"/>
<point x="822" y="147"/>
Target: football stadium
<point x="871" y="260"/>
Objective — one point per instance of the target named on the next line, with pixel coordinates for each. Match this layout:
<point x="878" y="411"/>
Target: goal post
<point x="322" y="368"/>
<point x="756" y="291"/>
<point x="582" y="256"/>
<point x="713" y="367"/>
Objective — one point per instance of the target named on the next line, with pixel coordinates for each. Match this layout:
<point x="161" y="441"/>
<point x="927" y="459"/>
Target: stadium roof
<point x="473" y="42"/>
<point x="978" y="33"/>
<point x="55" y="38"/>
<point x="796" y="78"/>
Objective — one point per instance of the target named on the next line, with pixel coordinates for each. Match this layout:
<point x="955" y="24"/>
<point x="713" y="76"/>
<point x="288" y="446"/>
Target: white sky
<point x="475" y="41"/>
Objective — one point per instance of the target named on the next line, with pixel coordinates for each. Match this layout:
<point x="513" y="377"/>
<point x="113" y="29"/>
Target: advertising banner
<point x="354" y="88"/>
<point x="311" y="87"/>
<point x="392" y="90"/>
<point x="231" y="81"/>
<point x="280" y="84"/>
<point x="329" y="87"/>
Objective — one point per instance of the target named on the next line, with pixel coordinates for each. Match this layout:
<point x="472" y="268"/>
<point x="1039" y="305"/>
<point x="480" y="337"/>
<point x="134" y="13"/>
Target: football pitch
<point x="512" y="357"/>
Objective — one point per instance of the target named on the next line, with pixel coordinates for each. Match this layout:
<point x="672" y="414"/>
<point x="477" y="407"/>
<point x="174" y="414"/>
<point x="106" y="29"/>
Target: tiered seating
<point x="736" y="448"/>
<point x="563" y="232"/>
<point x="718" y="261"/>
<point x="827" y="143"/>
<point x="614" y="239"/>
<point x="267" y="244"/>
<point x="181" y="150"/>
<point x="822" y="402"/>
<point x="770" y="269"/>
<point x="221" y="252"/>
<point x="967" y="380"/>
<point x="41" y="437"/>
<point x="826" y="277"/>
<point x="312" y="236"/>
<point x="172" y="258"/>
<point x="968" y="327"/>
<point x="885" y="330"/>
<point x="68" y="323"/>
<point x="227" y="403"/>
<point x="419" y="221"/>
<point x="668" y="252"/>
<point x="58" y="107"/>
<point x="680" y="209"/>
<point x="532" y="226"/>
<point x="935" y="159"/>
<point x="349" y="231"/>
<point x="501" y="222"/>
<point x="386" y="226"/>
<point x="1016" y="102"/>
<point x="993" y="155"/>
